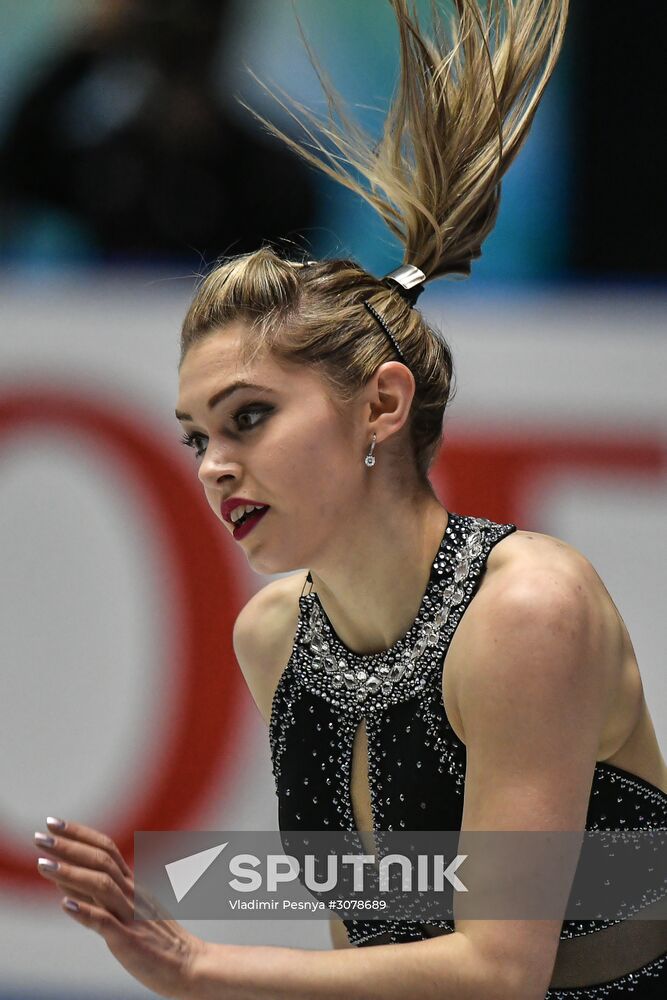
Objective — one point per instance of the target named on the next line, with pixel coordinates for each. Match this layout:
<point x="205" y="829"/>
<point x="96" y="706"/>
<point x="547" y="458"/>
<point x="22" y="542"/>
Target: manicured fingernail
<point x="52" y="866"/>
<point x="55" y="823"/>
<point x="71" y="904"/>
<point x="43" y="838"/>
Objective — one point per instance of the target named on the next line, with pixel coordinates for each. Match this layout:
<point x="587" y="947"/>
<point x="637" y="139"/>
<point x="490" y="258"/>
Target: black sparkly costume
<point x="416" y="762"/>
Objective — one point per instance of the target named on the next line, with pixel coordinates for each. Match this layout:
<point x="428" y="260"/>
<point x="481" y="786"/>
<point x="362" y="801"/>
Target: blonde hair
<point x="465" y="100"/>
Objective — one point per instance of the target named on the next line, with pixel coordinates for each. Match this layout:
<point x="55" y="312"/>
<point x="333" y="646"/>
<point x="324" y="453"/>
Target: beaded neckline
<point x="437" y="569"/>
<point x="330" y="669"/>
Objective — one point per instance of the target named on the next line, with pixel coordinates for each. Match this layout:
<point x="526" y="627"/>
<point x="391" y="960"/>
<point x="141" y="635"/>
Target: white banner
<point x="121" y="700"/>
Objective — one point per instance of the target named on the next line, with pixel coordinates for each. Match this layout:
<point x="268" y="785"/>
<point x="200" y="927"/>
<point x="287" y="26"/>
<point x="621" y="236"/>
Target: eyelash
<point x="189" y="440"/>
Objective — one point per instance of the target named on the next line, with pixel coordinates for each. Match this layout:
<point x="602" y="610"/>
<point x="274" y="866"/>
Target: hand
<point x="158" y="952"/>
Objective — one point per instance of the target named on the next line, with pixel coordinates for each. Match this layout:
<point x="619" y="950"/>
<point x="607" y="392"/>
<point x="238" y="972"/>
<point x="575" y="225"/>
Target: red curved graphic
<point x="202" y="670"/>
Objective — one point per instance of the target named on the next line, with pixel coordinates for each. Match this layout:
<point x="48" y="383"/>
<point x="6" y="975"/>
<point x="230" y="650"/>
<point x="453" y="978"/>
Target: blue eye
<point x="190" y="440"/>
<point x="250" y="409"/>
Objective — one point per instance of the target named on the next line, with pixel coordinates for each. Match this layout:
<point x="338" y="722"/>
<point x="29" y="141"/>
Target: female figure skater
<point x="314" y="392"/>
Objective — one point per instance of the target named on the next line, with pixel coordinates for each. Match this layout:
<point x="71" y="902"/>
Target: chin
<point x="269" y="566"/>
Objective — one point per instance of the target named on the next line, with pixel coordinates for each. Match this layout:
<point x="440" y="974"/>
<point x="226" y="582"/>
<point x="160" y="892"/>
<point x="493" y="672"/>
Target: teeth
<point x="238" y="512"/>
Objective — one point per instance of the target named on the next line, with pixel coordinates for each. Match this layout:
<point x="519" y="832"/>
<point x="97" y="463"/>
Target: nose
<point x="215" y="467"/>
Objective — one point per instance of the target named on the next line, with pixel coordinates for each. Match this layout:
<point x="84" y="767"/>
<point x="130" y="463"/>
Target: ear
<point x="390" y="394"/>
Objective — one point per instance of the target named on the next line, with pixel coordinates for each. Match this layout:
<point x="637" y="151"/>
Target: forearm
<point x="445" y="966"/>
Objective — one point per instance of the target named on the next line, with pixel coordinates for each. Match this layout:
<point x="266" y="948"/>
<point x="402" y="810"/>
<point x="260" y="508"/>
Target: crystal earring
<point x="370" y="457"/>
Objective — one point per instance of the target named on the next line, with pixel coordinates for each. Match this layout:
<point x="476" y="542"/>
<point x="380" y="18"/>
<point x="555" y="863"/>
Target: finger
<point x="73" y="894"/>
<point x="82" y="897"/>
<point x="100" y="886"/>
<point x="96" y="918"/>
<point x="84" y="856"/>
<point x="86" y="835"/>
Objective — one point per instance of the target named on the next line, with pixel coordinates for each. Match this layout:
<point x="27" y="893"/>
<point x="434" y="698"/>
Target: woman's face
<point x="284" y="445"/>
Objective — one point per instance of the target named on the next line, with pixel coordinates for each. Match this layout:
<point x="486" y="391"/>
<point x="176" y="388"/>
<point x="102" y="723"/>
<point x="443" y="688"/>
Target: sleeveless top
<point x="416" y="762"/>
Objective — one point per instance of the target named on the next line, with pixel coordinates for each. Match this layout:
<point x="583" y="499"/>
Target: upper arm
<point x="262" y="638"/>
<point x="532" y="700"/>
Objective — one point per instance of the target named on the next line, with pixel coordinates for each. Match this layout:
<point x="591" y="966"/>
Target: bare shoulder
<point x="541" y="568"/>
<point x="540" y="585"/>
<point x="535" y="577"/>
<point x="530" y="573"/>
<point x="523" y="553"/>
<point x="263" y="636"/>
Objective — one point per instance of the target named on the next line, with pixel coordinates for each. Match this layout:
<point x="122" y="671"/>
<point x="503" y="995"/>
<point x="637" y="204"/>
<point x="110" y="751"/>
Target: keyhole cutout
<point x="360" y="792"/>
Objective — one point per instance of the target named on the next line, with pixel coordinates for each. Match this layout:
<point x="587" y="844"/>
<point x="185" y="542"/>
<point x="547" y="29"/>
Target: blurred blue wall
<point x="358" y="47"/>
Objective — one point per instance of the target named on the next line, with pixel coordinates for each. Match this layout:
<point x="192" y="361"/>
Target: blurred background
<point x="126" y="167"/>
<point x="122" y="142"/>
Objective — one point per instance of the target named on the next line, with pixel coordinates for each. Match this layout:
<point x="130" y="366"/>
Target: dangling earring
<point x="370" y="457"/>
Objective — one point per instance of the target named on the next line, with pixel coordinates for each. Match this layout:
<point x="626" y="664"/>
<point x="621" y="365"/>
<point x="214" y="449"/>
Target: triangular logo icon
<point x="186" y="871"/>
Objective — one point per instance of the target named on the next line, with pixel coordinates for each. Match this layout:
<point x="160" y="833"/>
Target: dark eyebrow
<point x="223" y="393"/>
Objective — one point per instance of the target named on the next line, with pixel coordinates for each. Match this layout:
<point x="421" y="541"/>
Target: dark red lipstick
<point x="248" y="523"/>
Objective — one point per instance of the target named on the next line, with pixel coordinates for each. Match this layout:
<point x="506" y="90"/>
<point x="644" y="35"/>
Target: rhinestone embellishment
<point x="384" y="677"/>
<point x="334" y="687"/>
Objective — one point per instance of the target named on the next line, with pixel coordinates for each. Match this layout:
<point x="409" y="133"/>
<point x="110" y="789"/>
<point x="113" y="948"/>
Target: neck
<point x="372" y="578"/>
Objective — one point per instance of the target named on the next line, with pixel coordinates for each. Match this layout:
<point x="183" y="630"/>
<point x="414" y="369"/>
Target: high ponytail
<point x="464" y="103"/>
<point x="466" y="97"/>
